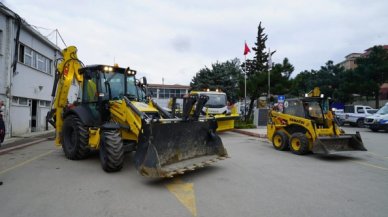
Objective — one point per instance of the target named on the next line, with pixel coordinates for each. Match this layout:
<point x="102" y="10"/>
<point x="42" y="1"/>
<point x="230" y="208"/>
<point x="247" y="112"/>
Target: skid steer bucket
<point x="332" y="144"/>
<point x="167" y="149"/>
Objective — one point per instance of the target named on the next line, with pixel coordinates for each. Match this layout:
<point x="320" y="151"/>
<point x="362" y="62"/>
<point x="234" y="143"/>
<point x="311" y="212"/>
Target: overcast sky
<point x="174" y="39"/>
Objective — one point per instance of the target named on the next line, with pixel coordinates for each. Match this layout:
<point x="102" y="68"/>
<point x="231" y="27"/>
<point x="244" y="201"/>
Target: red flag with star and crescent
<point x="246" y="49"/>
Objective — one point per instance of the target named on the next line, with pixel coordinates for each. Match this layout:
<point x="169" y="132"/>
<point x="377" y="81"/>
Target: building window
<point x="44" y="103"/>
<point x="153" y="92"/>
<point x="23" y="101"/>
<point x="28" y="56"/>
<point x="15" y="100"/>
<point x="19" y="101"/>
<point x="34" y="59"/>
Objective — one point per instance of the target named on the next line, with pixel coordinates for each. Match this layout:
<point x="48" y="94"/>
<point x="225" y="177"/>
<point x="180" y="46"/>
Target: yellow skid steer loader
<point x="306" y="125"/>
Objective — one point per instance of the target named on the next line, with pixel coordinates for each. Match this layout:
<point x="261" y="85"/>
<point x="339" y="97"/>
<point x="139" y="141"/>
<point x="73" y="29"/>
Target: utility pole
<point x="269" y="76"/>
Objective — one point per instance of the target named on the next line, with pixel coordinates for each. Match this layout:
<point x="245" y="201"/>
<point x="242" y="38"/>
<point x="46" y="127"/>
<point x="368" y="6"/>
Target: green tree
<point x="223" y="76"/>
<point x="332" y="80"/>
<point x="373" y="71"/>
<point x="280" y="75"/>
<point x="257" y="70"/>
<point x="301" y="84"/>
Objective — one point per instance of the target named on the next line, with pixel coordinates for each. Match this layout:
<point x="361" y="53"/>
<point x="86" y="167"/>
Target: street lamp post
<point x="269" y="76"/>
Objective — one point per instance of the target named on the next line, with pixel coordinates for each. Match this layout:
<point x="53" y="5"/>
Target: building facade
<point x="26" y="74"/>
<point x="350" y="61"/>
<point x="162" y="93"/>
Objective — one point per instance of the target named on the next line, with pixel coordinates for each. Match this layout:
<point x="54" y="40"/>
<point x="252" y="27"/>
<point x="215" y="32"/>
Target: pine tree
<point x="257" y="70"/>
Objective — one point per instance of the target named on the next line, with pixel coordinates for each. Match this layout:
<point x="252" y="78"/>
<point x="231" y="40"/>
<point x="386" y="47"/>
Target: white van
<point x="379" y="120"/>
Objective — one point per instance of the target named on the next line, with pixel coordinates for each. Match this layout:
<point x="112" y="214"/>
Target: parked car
<point x="354" y="114"/>
<point x="379" y="120"/>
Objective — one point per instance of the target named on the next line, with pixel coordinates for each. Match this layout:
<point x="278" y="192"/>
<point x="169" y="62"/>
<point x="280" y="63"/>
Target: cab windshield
<point x="216" y="100"/>
<point x="383" y="110"/>
<point x="117" y="85"/>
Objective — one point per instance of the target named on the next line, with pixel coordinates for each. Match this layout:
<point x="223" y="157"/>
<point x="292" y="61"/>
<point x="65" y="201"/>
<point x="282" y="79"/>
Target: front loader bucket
<point x="332" y="144"/>
<point x="167" y="149"/>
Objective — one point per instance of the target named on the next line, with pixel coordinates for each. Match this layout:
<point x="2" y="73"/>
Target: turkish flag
<point x="246" y="49"/>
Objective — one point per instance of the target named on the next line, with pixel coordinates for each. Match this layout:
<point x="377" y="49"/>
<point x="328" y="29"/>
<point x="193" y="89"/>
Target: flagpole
<point x="246" y="51"/>
<point x="245" y="88"/>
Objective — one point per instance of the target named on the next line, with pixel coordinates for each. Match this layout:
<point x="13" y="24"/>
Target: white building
<point x="162" y="93"/>
<point x="26" y="74"/>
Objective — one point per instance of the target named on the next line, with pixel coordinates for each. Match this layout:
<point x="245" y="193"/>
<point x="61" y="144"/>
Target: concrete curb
<point x="23" y="141"/>
<point x="259" y="135"/>
<point x="6" y="150"/>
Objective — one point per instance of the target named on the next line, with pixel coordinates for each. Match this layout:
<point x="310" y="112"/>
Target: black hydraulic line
<point x="55" y="84"/>
<point x="200" y="104"/>
<point x="16" y="54"/>
<point x="188" y="103"/>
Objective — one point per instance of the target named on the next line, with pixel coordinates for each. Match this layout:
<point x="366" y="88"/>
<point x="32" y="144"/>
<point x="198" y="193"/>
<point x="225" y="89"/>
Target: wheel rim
<point x="295" y="143"/>
<point x="277" y="141"/>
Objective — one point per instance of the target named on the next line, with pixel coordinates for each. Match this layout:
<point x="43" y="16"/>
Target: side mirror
<point x="144" y="81"/>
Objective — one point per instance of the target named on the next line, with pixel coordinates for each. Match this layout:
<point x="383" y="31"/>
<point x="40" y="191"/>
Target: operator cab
<point x="309" y="108"/>
<point x="103" y="84"/>
<point x="110" y="83"/>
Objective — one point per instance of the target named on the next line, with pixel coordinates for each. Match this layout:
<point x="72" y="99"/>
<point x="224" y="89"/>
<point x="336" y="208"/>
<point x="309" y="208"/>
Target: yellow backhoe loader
<point x="306" y="125"/>
<point x="115" y="115"/>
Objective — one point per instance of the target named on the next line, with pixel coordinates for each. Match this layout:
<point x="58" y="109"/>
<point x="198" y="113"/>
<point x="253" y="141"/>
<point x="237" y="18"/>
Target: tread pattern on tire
<point x="304" y="144"/>
<point x="73" y="126"/>
<point x="111" y="151"/>
<point x="284" y="138"/>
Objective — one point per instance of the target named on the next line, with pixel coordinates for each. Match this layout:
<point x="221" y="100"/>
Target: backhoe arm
<point x="66" y="70"/>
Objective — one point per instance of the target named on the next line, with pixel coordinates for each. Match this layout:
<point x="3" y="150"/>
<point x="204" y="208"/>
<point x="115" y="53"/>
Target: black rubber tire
<point x="280" y="141"/>
<point x="374" y="129"/>
<point x="111" y="151"/>
<point x="299" y="144"/>
<point x="360" y="122"/>
<point x="75" y="138"/>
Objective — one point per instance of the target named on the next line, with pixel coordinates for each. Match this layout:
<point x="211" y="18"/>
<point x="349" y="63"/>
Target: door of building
<point x="34" y="107"/>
